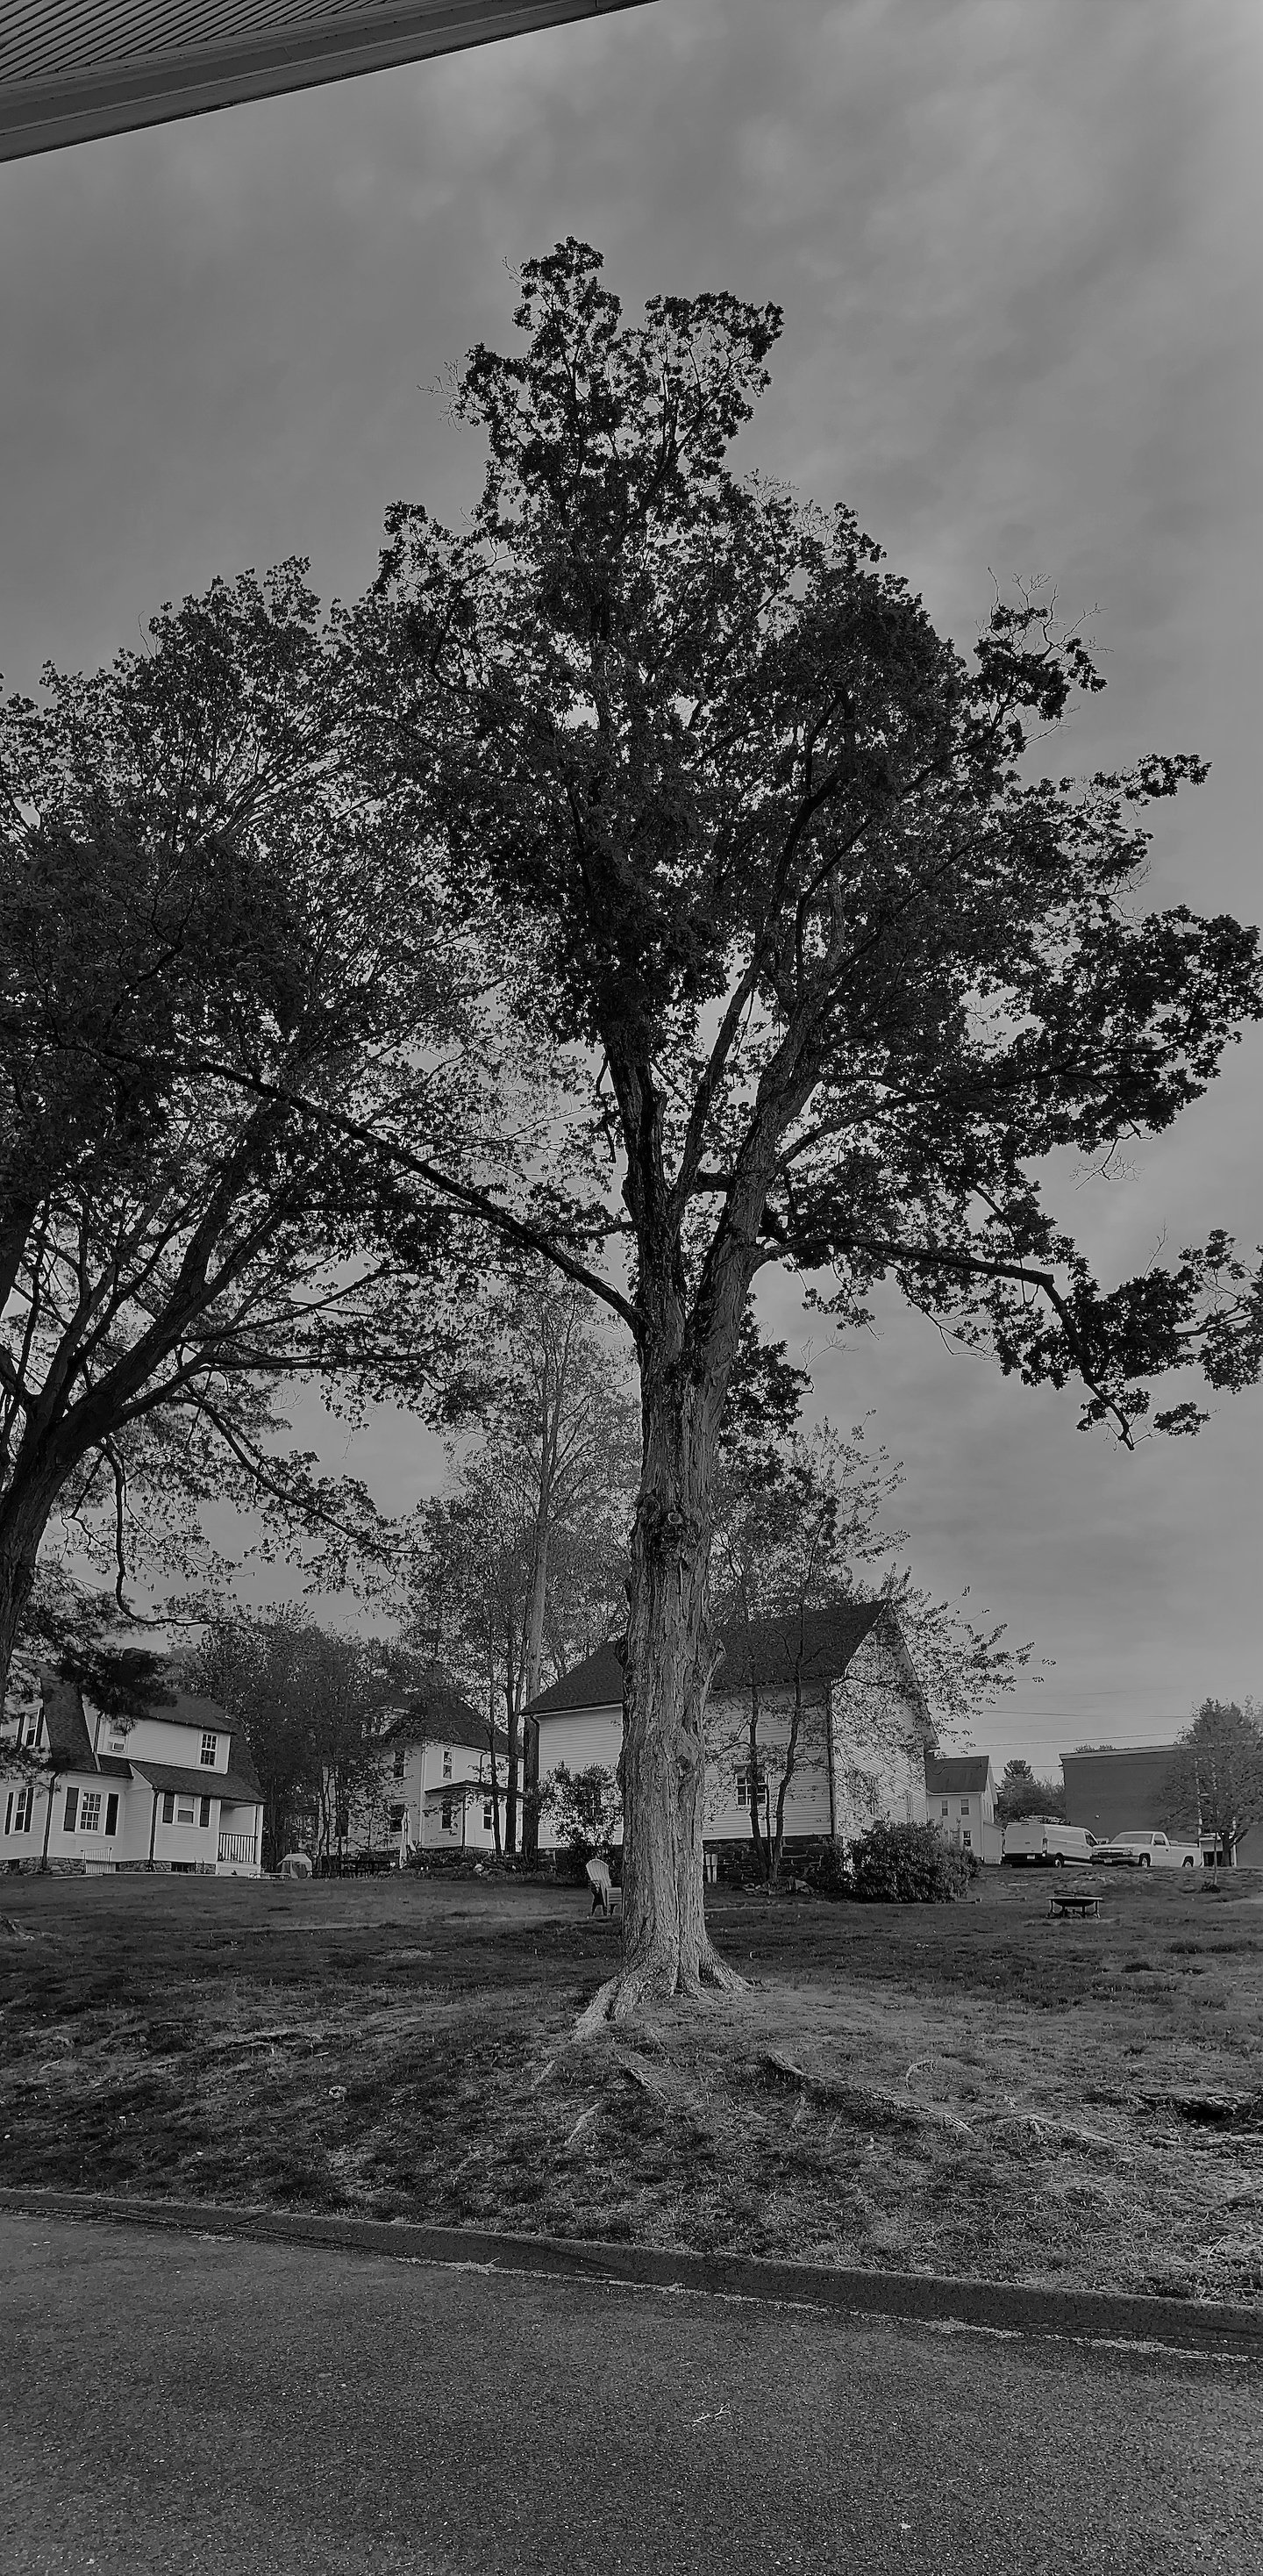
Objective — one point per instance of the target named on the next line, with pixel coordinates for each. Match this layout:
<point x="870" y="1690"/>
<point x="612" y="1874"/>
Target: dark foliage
<point x="907" y="1865"/>
<point x="1021" y="1794"/>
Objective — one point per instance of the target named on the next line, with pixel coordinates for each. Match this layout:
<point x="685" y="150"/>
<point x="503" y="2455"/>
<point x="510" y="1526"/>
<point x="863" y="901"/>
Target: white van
<point x="1037" y="1842"/>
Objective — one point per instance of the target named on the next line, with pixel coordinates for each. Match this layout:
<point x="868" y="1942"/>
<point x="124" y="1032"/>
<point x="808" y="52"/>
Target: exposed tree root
<point x="656" y="1978"/>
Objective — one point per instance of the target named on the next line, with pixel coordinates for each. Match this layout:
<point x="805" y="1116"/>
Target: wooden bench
<point x="1077" y="1903"/>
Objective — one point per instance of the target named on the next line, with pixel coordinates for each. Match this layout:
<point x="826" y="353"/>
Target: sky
<point x="1018" y="250"/>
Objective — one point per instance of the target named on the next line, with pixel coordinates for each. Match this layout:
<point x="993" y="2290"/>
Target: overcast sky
<point x="1017" y="244"/>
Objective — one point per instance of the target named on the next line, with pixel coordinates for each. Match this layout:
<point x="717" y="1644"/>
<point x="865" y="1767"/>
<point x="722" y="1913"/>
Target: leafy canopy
<point x="829" y="968"/>
<point x="200" y="913"/>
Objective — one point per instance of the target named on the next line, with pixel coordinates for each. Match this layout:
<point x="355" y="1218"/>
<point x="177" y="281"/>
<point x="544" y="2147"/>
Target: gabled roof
<point x="70" y="1737"/>
<point x="820" y="1644"/>
<point x="959" y="1771"/>
<point x="436" y="1714"/>
<point x="595" y="1683"/>
<point x="233" y="1786"/>
<point x="184" y="1708"/>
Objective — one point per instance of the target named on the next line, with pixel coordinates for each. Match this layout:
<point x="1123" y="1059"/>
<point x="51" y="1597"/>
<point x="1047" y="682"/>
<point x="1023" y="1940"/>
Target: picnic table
<point x="1078" y="1900"/>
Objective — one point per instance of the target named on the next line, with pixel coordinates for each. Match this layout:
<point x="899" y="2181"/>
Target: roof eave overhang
<point x="80" y="106"/>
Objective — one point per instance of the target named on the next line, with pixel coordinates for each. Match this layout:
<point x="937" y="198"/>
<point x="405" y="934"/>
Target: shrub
<point x="908" y="1865"/>
<point x="827" y="1870"/>
<point x="585" y="1809"/>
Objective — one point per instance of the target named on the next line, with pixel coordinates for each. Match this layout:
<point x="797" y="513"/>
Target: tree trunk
<point x="495" y="1781"/>
<point x="530" y="1789"/>
<point x="53" y="1779"/>
<point x="511" y="1729"/>
<point x="24" y="1514"/>
<point x="752" y="1781"/>
<point x="790" y="1766"/>
<point x="510" y="1791"/>
<point x="670" y="1662"/>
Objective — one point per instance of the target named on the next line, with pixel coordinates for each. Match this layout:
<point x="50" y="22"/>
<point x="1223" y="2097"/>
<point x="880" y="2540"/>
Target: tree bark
<point x="790" y="1766"/>
<point x="671" y="1658"/>
<point x="24" y="1514"/>
<point x="511" y="1726"/>
<point x="53" y="1779"/>
<point x="752" y="1784"/>
<point x="495" y="1783"/>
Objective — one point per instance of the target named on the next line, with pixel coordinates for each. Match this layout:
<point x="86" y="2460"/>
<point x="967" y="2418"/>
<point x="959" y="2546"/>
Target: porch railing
<point x="238" y="1847"/>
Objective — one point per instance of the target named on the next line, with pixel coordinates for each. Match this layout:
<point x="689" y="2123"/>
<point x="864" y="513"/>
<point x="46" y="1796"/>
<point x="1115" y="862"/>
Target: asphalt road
<point x="185" y="2403"/>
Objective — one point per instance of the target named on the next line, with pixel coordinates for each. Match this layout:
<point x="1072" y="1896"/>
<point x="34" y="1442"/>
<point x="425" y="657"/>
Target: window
<point x="22" y="1813"/>
<point x="204" y="1811"/>
<point x="90" y="1812"/>
<point x="445" y="1814"/>
<point x="72" y="1809"/>
<point x="743" y="1786"/>
<point x="183" y="1810"/>
<point x="210" y="1746"/>
<point x="111" y="1812"/>
<point x="966" y="1837"/>
<point x="964" y="1806"/>
<point x="397" y="1815"/>
<point x="399" y="1761"/>
<point x="486" y="1815"/>
<point x="947" y="1806"/>
<point x="447" y="1761"/>
<point x="29" y="1726"/>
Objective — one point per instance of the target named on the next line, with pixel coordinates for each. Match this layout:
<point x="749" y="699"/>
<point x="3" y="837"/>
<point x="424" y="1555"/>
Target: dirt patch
<point x="967" y="2088"/>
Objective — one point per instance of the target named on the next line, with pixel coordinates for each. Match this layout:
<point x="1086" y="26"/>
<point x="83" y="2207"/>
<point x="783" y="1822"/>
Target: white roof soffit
<point x="73" y="69"/>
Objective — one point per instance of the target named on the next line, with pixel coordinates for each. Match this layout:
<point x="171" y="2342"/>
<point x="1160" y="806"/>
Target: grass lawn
<point x="953" y="2089"/>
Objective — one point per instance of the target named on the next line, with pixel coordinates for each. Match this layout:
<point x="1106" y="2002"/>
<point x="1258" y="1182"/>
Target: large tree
<point x="1215" y="1783"/>
<point x="1021" y="1794"/>
<point x="313" y="1706"/>
<point x="195" y="904"/>
<point x="828" y="967"/>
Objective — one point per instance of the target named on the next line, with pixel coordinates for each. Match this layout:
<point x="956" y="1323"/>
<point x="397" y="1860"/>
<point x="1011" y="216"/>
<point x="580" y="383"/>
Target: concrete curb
<point x="1006" y="2307"/>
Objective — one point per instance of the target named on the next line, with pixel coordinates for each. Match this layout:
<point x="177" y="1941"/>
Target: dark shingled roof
<point x="768" y="1652"/>
<point x="436" y="1714"/>
<point x="239" y="1790"/>
<point x="70" y="1737"/>
<point x="961" y="1771"/>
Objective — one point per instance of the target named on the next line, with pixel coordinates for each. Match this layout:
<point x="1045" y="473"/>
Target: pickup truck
<point x="1148" y="1851"/>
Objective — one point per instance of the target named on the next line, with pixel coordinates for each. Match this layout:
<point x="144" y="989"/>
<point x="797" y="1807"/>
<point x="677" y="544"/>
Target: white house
<point x="863" y="1728"/>
<point x="438" y="1772"/>
<point x="175" y="1790"/>
<point x="960" y="1799"/>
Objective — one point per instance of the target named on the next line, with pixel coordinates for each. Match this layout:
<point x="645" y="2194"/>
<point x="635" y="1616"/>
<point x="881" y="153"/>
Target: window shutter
<point x="168" y="1805"/>
<point x="111" y="1812"/>
<point x="72" y="1810"/>
<point x="204" y="1818"/>
<point x="8" y="1813"/>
